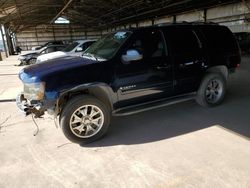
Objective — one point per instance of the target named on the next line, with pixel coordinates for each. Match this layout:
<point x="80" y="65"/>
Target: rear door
<point x="189" y="58"/>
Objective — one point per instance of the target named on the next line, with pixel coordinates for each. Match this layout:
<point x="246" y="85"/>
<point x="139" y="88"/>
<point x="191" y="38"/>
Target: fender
<point x="100" y="90"/>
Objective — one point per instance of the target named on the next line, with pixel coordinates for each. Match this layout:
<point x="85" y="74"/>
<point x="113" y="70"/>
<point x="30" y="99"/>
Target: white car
<point x="76" y="48"/>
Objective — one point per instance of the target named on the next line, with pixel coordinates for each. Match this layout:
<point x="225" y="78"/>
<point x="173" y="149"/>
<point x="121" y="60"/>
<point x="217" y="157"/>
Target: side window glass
<point x="155" y="45"/>
<point x="60" y="48"/>
<point x="149" y="44"/>
<point x="84" y="46"/>
<point x="49" y="50"/>
<point x="183" y="40"/>
<point x="137" y="45"/>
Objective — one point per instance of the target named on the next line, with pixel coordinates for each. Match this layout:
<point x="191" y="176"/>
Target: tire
<point x="212" y="90"/>
<point x="77" y="123"/>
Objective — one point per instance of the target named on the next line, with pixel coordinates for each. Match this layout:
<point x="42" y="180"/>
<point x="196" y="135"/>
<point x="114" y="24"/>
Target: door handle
<point x="163" y="67"/>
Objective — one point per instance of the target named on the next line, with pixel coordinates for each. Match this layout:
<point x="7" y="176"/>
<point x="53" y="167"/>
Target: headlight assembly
<point x="34" y="91"/>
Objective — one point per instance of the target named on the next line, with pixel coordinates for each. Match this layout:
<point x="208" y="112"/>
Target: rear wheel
<point x="84" y="119"/>
<point x="212" y="90"/>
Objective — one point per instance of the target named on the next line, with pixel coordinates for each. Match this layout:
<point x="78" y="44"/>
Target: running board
<point x="134" y="109"/>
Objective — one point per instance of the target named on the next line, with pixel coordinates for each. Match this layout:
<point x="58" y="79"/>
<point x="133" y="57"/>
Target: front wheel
<point x="212" y="90"/>
<point x="32" y="61"/>
<point x="84" y="119"/>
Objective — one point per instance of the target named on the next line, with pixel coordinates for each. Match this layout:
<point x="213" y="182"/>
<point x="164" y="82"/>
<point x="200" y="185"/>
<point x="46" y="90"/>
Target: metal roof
<point x="93" y="14"/>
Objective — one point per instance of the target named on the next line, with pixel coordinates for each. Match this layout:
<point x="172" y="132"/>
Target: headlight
<point x="34" y="91"/>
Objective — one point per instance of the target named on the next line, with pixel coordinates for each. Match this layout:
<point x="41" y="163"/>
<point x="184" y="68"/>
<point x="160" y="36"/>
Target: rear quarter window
<point x="219" y="37"/>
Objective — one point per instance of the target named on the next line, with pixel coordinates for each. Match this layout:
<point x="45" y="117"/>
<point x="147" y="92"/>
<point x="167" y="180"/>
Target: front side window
<point x="107" y="46"/>
<point x="148" y="43"/>
<point x="70" y="47"/>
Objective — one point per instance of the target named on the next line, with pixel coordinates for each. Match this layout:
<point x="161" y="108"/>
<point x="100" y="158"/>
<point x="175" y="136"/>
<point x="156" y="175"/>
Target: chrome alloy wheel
<point x="214" y="91"/>
<point x="86" y="121"/>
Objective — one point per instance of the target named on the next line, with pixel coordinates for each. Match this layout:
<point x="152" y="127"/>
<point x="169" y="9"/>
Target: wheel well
<point x="222" y="69"/>
<point x="96" y="92"/>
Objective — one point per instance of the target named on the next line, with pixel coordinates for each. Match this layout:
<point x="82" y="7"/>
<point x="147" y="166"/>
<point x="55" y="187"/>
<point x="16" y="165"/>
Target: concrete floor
<point x="183" y="145"/>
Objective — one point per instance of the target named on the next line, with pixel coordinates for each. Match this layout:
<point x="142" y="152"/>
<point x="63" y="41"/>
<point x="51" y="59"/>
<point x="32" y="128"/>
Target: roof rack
<point x="199" y="22"/>
<point x="189" y="23"/>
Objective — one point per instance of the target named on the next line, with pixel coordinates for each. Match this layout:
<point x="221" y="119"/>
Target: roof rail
<point x="185" y="22"/>
<point x="199" y="22"/>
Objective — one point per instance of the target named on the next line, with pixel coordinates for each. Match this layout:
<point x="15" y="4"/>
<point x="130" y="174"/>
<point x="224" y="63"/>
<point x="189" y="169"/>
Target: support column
<point x="4" y="43"/>
<point x="205" y="15"/>
<point x="53" y="30"/>
<point x="70" y="32"/>
<point x="9" y="42"/>
<point x="36" y="37"/>
<point x="174" y="19"/>
<point x="85" y="32"/>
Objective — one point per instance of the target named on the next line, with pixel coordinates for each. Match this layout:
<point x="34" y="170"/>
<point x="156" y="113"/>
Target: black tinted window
<point x="149" y="43"/>
<point x="59" y="48"/>
<point x="182" y="39"/>
<point x="86" y="45"/>
<point x="219" y="37"/>
<point x="51" y="49"/>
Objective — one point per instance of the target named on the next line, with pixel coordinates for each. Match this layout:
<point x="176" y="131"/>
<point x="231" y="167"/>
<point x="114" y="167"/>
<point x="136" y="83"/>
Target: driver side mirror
<point x="131" y="55"/>
<point x="79" y="49"/>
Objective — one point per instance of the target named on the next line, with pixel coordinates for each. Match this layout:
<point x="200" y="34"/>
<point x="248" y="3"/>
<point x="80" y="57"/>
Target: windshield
<point x="40" y="50"/>
<point x="108" y="45"/>
<point x="70" y="47"/>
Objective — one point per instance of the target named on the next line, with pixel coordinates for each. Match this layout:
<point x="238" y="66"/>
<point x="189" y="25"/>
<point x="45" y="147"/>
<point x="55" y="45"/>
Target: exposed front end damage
<point x="27" y="107"/>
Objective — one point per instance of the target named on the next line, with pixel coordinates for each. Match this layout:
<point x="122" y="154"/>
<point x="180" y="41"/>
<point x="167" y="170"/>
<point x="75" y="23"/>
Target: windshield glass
<point x="108" y="45"/>
<point x="70" y="47"/>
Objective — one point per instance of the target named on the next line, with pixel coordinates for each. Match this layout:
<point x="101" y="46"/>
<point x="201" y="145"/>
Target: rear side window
<point x="219" y="37"/>
<point x="182" y="40"/>
<point x="59" y="48"/>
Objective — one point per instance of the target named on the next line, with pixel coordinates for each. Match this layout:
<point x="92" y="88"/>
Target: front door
<point x="146" y="79"/>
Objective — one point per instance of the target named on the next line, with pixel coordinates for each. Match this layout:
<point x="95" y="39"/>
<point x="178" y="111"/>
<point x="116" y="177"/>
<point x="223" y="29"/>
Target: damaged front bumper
<point x="28" y="108"/>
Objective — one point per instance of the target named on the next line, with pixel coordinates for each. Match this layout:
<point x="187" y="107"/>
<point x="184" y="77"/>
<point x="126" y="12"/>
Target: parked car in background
<point x="130" y="71"/>
<point x="47" y="44"/>
<point x="76" y="48"/>
<point x="30" y="58"/>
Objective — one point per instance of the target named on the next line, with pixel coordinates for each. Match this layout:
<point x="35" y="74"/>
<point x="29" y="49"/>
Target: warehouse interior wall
<point x="236" y="16"/>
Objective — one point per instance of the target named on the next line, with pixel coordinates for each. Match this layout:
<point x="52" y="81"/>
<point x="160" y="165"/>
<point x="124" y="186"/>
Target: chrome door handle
<point x="163" y="67"/>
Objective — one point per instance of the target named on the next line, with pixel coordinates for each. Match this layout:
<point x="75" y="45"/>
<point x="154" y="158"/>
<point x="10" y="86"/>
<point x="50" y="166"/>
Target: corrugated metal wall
<point x="233" y="15"/>
<point x="42" y="34"/>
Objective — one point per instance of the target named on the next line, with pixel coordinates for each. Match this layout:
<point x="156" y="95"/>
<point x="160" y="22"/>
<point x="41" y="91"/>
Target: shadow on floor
<point x="179" y="119"/>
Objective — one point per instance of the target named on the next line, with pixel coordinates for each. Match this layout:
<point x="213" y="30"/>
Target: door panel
<point x="147" y="79"/>
<point x="189" y="58"/>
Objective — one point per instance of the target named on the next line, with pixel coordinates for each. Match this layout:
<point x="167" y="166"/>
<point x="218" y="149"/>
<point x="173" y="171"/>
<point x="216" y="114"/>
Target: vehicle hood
<point x="40" y="72"/>
<point x="49" y="56"/>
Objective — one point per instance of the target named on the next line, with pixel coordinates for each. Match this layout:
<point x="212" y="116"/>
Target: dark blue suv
<point x="130" y="71"/>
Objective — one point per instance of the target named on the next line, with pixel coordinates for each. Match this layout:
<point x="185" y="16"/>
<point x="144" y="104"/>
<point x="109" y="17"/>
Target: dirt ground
<point x="183" y="145"/>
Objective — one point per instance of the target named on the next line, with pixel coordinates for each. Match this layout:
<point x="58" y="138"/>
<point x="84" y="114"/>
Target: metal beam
<point x="63" y="9"/>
